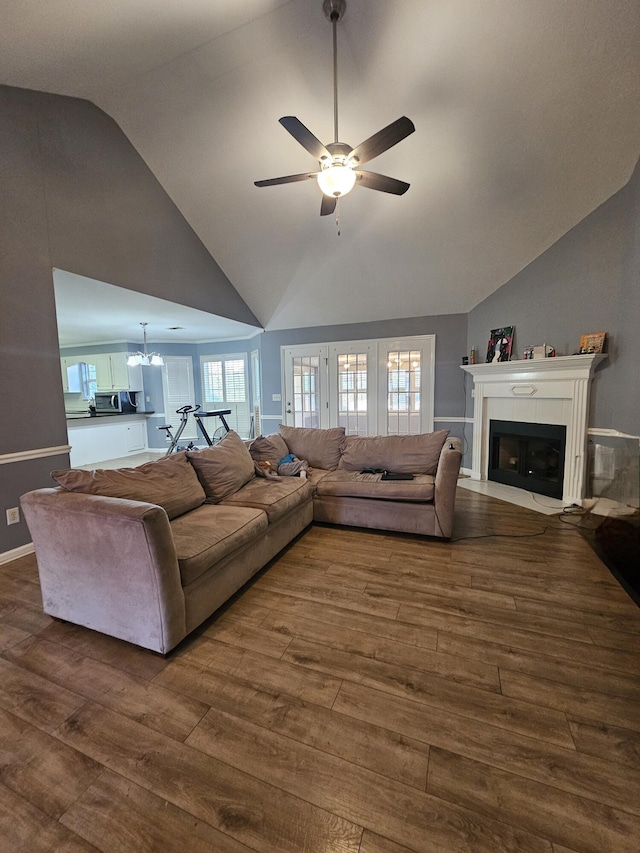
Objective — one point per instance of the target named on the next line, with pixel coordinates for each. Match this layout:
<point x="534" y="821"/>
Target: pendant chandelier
<point x="145" y="358"/>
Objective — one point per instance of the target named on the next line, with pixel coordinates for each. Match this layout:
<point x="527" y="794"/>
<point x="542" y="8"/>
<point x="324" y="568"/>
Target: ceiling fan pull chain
<point x="338" y="216"/>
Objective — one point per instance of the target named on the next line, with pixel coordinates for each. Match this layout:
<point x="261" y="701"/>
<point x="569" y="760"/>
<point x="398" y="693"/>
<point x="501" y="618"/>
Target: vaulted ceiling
<point x="527" y="118"/>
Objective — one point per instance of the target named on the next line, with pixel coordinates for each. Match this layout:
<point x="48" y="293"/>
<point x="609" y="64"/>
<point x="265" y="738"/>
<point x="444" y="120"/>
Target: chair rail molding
<point x="37" y="453"/>
<point x="542" y="391"/>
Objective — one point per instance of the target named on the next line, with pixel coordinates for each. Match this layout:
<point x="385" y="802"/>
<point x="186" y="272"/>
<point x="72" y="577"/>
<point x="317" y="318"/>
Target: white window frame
<point x="239" y="420"/>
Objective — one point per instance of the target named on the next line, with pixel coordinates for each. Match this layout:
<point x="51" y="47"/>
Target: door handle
<point x="288" y="411"/>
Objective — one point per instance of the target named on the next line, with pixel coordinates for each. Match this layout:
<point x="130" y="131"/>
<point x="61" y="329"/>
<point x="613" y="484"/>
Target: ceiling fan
<point x="340" y="163"/>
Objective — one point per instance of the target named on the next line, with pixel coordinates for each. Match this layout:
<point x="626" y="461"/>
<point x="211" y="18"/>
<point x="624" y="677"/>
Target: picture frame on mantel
<point x="500" y="344"/>
<point x="593" y="342"/>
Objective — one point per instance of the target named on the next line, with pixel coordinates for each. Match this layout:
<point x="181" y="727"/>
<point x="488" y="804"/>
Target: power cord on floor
<point x="563" y="517"/>
<point x="545" y="529"/>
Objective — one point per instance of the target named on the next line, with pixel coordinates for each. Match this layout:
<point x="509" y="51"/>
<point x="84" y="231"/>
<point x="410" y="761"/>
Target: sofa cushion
<point x="223" y="468"/>
<point x="350" y="484"/>
<point x="210" y="533"/>
<point x="169" y="482"/>
<point x="275" y="497"/>
<point x="319" y="447"/>
<point x="269" y="448"/>
<point x="403" y="454"/>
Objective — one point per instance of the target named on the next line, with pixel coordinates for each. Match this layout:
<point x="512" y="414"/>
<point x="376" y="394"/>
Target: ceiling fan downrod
<point x="334" y="11"/>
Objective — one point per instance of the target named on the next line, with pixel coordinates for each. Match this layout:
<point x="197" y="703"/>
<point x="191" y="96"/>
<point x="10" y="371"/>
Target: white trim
<point x="611" y="433"/>
<point x="545" y="390"/>
<point x="270" y="417"/>
<point x="534" y="368"/>
<point x="466" y="471"/>
<point x="37" y="453"/>
<point x="16" y="553"/>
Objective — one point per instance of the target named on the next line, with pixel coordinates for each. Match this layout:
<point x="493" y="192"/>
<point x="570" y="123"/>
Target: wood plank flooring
<point x="366" y="693"/>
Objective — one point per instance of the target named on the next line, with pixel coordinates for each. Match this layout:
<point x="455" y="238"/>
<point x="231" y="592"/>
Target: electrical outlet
<point x="13" y="515"/>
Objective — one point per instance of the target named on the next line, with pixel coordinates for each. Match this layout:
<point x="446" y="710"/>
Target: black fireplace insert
<point x="529" y="456"/>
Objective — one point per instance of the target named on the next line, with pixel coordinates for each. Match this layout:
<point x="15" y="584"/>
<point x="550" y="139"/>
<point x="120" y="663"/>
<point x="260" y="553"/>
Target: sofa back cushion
<point x="269" y="448"/>
<point x="320" y="447"/>
<point x="169" y="482"/>
<point x="224" y="468"/>
<point x="410" y="454"/>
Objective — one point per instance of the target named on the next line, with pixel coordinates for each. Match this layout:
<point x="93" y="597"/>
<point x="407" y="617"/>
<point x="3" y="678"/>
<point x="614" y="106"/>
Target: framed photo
<point x="500" y="344"/>
<point x="593" y="342"/>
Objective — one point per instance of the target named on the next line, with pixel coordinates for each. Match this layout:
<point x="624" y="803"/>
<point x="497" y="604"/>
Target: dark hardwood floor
<point x="367" y="693"/>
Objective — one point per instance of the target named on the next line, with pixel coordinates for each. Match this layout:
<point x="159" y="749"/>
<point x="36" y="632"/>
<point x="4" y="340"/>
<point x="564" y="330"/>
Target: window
<point x="225" y="386"/>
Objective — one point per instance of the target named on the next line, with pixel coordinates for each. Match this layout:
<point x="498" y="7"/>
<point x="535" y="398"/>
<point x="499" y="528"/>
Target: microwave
<point x="119" y="402"/>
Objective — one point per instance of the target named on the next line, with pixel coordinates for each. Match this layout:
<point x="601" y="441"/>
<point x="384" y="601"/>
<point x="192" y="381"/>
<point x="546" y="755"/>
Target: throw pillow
<point x="269" y="448"/>
<point x="169" y="482"/>
<point x="410" y="454"/>
<point x="224" y="468"/>
<point x="319" y="447"/>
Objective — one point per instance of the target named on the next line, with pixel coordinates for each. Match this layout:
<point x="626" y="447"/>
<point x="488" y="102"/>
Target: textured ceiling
<point x="527" y="118"/>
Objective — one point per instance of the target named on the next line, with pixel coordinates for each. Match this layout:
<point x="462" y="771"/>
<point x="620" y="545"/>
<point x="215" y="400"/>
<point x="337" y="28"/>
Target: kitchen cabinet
<point x="113" y="373"/>
<point x="136" y="437"/>
<point x="103" y="371"/>
<point x="73" y="381"/>
<point x="63" y="370"/>
<point x="94" y="440"/>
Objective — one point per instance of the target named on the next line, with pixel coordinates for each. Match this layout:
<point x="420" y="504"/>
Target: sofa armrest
<point x="446" y="483"/>
<point x="108" y="564"/>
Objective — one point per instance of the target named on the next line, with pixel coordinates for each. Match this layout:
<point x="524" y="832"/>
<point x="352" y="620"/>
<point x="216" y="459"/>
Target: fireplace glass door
<point x="529" y="456"/>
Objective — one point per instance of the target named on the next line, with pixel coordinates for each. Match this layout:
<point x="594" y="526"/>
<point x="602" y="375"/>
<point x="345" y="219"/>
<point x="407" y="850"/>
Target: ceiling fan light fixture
<point x="336" y="180"/>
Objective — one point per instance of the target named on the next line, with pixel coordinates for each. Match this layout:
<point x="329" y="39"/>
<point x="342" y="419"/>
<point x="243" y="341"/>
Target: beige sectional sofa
<point x="147" y="554"/>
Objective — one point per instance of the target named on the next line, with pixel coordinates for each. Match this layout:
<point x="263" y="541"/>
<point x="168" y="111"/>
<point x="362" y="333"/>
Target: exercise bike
<point x="184" y="413"/>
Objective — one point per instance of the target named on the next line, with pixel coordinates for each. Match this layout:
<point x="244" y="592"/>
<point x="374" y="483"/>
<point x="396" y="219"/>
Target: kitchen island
<point x="95" y="438"/>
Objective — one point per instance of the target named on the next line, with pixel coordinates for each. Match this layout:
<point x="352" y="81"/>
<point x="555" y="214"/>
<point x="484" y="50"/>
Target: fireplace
<point x="536" y="391"/>
<point x="529" y="456"/>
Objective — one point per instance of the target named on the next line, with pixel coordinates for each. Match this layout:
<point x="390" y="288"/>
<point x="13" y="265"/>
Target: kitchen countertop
<point x="79" y="416"/>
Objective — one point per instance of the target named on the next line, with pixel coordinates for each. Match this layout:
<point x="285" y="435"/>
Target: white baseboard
<point x="14" y="554"/>
<point x="466" y="471"/>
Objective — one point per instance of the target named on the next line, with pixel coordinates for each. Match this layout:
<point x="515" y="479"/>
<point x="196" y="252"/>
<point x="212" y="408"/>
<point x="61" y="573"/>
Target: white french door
<point x="405" y="399"/>
<point x="375" y="387"/>
<point x="305" y="386"/>
<point x="352" y="387"/>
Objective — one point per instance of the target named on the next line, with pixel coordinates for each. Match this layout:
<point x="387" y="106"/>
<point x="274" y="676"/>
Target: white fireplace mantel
<point x="540" y="391"/>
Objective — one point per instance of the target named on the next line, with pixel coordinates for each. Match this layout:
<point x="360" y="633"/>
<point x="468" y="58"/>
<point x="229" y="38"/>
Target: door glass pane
<point x="352" y="393"/>
<point x="305" y="390"/>
<point x="403" y="392"/>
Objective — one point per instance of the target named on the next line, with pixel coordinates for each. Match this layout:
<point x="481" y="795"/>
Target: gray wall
<point x="77" y="196"/>
<point x="589" y="281"/>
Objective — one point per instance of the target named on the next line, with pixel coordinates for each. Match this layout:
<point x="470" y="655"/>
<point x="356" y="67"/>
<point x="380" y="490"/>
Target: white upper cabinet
<point x="111" y="371"/>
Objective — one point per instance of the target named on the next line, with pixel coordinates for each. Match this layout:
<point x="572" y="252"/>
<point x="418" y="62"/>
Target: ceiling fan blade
<point x="288" y="179"/>
<point x="374" y="181"/>
<point x="382" y="140"/>
<point x="304" y="136"/>
<point x="328" y="205"/>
